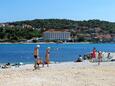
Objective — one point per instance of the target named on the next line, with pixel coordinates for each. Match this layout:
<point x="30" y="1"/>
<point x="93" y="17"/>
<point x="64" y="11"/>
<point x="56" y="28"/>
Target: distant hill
<point x="30" y="27"/>
<point x="67" y="24"/>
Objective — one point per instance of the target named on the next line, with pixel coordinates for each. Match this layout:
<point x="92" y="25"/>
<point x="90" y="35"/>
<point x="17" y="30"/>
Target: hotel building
<point x="56" y="35"/>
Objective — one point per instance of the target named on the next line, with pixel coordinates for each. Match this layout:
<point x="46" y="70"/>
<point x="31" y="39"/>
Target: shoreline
<point x="61" y="64"/>
<point x="53" y="43"/>
<point x="46" y="43"/>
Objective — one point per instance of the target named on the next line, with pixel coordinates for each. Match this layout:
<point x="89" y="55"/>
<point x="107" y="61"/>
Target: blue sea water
<point x="14" y="53"/>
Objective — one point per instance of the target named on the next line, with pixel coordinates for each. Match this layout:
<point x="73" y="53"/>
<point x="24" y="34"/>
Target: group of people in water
<point x="38" y="60"/>
<point x="93" y="56"/>
<point x="99" y="56"/>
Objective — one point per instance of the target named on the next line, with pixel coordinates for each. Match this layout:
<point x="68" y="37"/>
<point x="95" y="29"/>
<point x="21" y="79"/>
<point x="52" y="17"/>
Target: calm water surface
<point x="14" y="53"/>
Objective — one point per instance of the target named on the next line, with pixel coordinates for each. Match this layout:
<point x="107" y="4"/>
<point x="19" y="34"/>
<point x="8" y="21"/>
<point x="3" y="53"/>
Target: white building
<point x="56" y="35"/>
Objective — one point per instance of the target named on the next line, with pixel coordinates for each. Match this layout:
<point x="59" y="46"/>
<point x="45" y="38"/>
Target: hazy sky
<point x="16" y="10"/>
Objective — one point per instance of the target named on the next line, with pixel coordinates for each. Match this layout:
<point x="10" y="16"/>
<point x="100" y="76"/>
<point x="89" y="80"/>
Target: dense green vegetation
<point x="13" y="33"/>
<point x="18" y="32"/>
<point x="48" y="23"/>
<point x="68" y="24"/>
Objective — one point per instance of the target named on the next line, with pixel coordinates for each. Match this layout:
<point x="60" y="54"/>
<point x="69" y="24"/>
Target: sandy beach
<point x="60" y="74"/>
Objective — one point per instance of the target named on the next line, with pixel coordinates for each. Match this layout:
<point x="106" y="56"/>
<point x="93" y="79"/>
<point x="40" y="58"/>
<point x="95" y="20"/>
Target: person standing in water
<point x="108" y="57"/>
<point x="99" y="57"/>
<point x="93" y="54"/>
<point x="47" y="57"/>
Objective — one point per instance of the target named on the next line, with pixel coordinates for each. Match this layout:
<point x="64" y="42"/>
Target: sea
<point x="15" y="53"/>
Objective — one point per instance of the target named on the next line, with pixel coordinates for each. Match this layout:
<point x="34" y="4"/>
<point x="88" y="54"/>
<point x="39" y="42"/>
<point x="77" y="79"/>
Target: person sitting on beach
<point x="6" y="66"/>
<point x="47" y="57"/>
<point x="18" y="64"/>
<point x="84" y="57"/>
<point x="80" y="59"/>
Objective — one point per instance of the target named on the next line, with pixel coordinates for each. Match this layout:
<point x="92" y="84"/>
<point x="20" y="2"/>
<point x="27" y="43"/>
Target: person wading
<point x="93" y="56"/>
<point x="99" y="57"/>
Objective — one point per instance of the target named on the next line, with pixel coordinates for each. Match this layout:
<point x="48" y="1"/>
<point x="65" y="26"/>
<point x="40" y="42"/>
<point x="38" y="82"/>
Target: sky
<point x="17" y="10"/>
